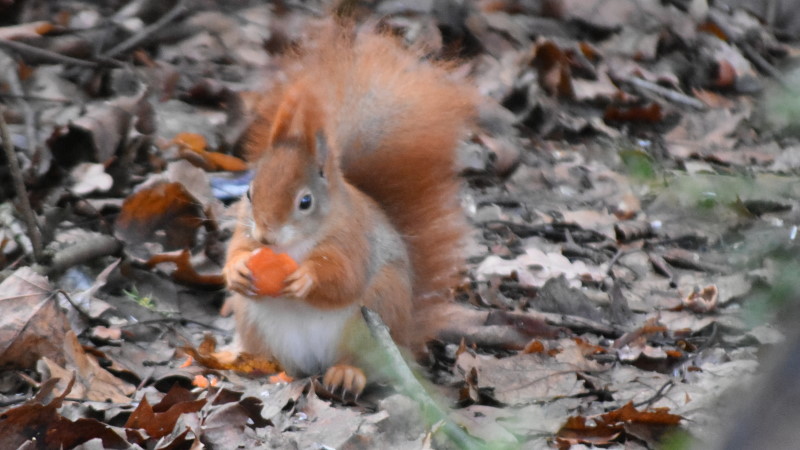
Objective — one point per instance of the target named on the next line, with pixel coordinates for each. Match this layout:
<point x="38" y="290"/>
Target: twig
<point x="657" y="396"/>
<point x="178" y="320"/>
<point x="147" y="31"/>
<point x="35" y="98"/>
<point x="763" y="64"/>
<point x="47" y="55"/>
<point x="22" y="194"/>
<point x="669" y="94"/>
<point x="80" y="253"/>
<point x="15" y="86"/>
<point x="619" y="254"/>
<point x="85" y="314"/>
<point x="409" y="383"/>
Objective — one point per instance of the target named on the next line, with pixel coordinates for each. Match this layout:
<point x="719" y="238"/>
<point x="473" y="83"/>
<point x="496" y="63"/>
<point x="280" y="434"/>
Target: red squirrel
<point x="355" y="179"/>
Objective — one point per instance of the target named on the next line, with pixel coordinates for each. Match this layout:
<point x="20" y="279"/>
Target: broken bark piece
<point x="631" y="231"/>
<point x="684" y="259"/>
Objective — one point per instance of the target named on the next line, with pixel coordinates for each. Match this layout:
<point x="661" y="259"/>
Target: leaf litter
<point x="632" y="189"/>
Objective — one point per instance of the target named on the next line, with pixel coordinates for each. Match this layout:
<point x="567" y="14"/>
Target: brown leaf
<point x="604" y="428"/>
<point x="98" y="134"/>
<point x="32" y="419"/>
<point x="211" y="161"/>
<point x="185" y="272"/>
<point x="644" y="114"/>
<point x="702" y="301"/>
<point x="32" y="325"/>
<point x="160" y="419"/>
<point x="244" y="363"/>
<point x="555" y="75"/>
<point x="165" y="213"/>
<point x="92" y="381"/>
<point x="65" y="433"/>
<point x="726" y="75"/>
<point x="524" y="378"/>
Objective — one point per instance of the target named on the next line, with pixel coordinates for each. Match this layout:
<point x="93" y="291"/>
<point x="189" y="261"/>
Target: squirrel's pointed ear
<point x="322" y="150"/>
<point x="284" y="118"/>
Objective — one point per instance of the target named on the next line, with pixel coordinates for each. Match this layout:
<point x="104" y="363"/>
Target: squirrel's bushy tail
<point x="396" y="121"/>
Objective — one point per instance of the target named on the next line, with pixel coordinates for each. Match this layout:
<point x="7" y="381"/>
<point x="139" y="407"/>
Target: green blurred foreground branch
<point x="409" y="384"/>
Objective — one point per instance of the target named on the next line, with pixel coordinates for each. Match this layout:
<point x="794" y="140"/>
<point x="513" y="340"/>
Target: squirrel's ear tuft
<point x="283" y="124"/>
<point x="322" y="150"/>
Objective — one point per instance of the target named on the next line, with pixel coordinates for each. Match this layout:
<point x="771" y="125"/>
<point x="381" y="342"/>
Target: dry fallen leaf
<point x="702" y="301"/>
<point x="604" y="428"/>
<point x="244" y="363"/>
<point x="32" y="325"/>
<point x="211" y="161"/>
<point x="165" y="213"/>
<point x="92" y="382"/>
<point x="184" y="271"/>
<point x="159" y="420"/>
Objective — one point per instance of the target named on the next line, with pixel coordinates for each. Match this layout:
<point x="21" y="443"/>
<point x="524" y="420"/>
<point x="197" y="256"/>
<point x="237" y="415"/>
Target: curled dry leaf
<point x="553" y="65"/>
<point x="184" y="271"/>
<point x="211" y="161"/>
<point x="93" y="382"/>
<point x="605" y="428"/>
<point x="703" y="300"/>
<point x="34" y="420"/>
<point x="165" y="213"/>
<point x="96" y="136"/>
<point x="245" y="363"/>
<point x="89" y="178"/>
<point x="159" y="420"/>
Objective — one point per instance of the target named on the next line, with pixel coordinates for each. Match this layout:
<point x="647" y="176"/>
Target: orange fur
<point x="370" y="130"/>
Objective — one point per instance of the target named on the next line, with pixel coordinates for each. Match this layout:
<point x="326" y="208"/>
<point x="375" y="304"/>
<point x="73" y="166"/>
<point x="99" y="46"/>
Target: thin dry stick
<point x="669" y="94"/>
<point x="19" y="185"/>
<point x="14" y="84"/>
<point x="46" y="55"/>
<point x="147" y="31"/>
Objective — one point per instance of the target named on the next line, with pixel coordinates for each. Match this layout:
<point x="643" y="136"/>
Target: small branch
<point x="148" y="31"/>
<point x="15" y="86"/>
<point x="80" y="253"/>
<point x="669" y="94"/>
<point x="82" y="312"/>
<point x="177" y="320"/>
<point x="19" y="185"/>
<point x="46" y="55"/>
<point x="763" y="64"/>
<point x="34" y="98"/>
<point x="409" y="383"/>
<point x="657" y="396"/>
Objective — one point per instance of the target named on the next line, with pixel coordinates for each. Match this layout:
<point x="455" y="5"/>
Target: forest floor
<point x="632" y="188"/>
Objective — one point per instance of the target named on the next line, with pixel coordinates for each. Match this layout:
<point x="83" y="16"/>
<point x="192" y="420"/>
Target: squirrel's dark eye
<point x="248" y="195"/>
<point x="305" y="202"/>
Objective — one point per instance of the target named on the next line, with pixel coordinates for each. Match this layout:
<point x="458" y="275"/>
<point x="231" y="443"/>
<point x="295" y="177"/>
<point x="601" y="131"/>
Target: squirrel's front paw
<point x="350" y="379"/>
<point x="299" y="282"/>
<point x="239" y="277"/>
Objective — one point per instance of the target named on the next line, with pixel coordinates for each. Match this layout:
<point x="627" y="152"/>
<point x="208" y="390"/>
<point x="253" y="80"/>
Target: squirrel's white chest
<point x="304" y="339"/>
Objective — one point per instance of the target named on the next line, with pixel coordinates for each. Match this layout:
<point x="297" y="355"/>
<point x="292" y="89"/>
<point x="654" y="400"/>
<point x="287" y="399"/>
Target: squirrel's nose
<point x="264" y="235"/>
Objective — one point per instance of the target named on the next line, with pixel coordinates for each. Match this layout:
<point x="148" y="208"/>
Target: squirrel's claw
<point x="349" y="378"/>
<point x="299" y="282"/>
<point x="238" y="276"/>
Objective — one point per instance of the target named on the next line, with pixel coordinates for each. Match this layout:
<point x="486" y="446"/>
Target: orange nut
<point x="269" y="270"/>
